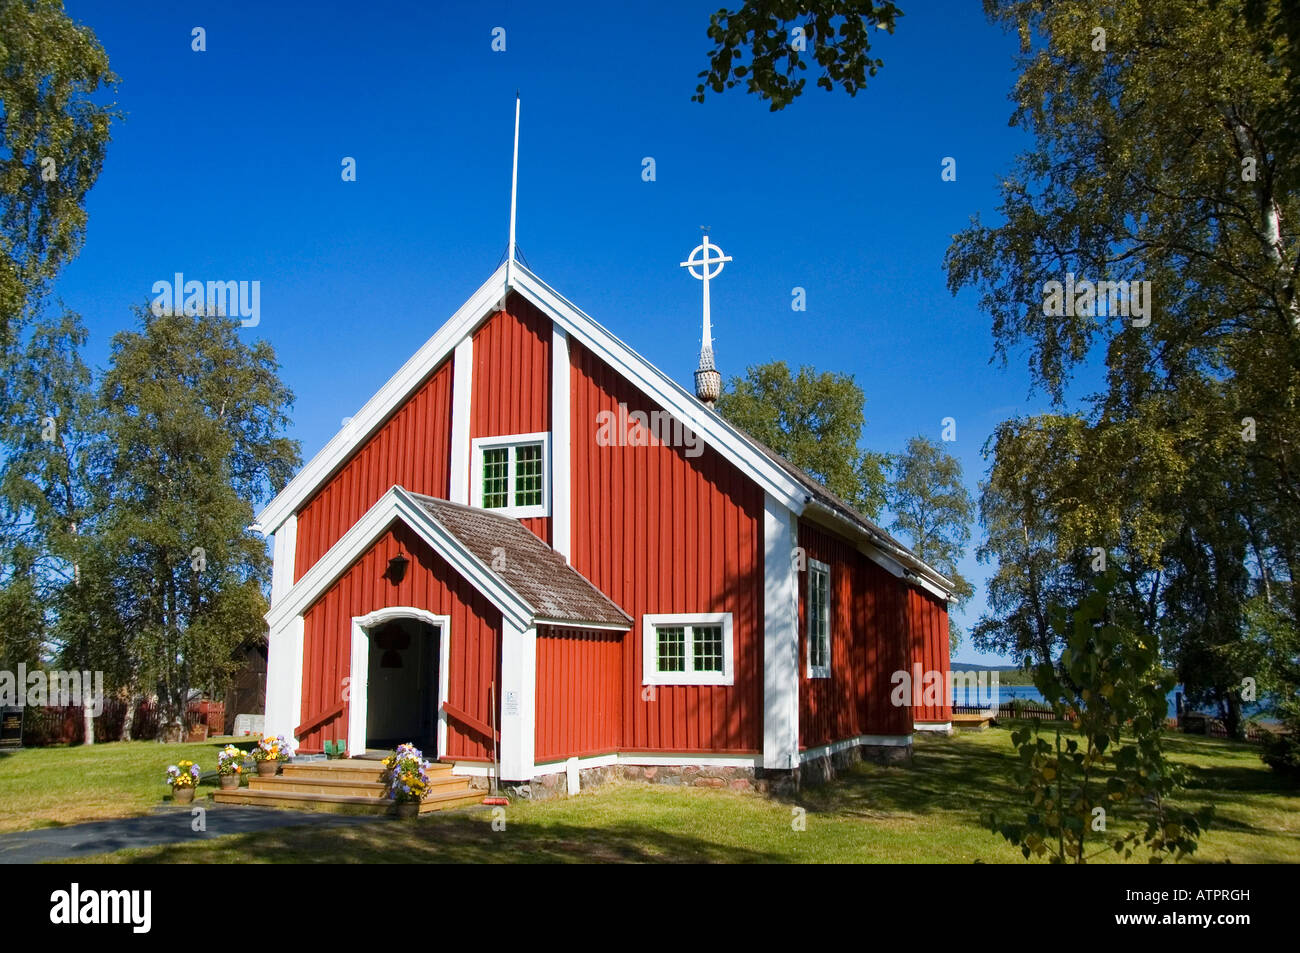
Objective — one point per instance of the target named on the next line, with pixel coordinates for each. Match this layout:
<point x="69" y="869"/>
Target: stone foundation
<point x="828" y="767"/>
<point x="776" y="783"/>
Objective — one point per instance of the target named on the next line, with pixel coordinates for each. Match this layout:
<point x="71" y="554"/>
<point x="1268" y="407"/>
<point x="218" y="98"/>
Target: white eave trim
<point x="598" y="626"/>
<point x="893" y="558"/>
<point x="650" y="380"/>
<point x="397" y="503"/>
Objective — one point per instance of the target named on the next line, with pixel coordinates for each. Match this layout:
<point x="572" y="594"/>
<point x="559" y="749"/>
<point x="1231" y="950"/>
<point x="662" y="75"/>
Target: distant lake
<point x="1029" y="693"/>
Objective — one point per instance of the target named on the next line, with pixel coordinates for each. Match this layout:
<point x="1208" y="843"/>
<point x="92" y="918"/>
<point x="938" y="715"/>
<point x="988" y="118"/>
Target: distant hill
<point x="974" y="667"/>
<point x="1007" y="674"/>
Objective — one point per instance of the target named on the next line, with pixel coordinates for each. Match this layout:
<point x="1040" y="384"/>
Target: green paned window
<point x="496" y="477"/>
<point x="513" y="474"/>
<point x="672" y="648"/>
<point x="528" y="475"/>
<point x="687" y="649"/>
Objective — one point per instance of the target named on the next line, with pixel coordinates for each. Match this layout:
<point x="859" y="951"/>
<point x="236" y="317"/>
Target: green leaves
<point x="1168" y="157"/>
<point x="814" y="421"/>
<point x="102" y="511"/>
<point x="837" y="32"/>
<point x="933" y="511"/>
<point x="52" y="73"/>
<point x="194" y="417"/>
<point x="1109" y="684"/>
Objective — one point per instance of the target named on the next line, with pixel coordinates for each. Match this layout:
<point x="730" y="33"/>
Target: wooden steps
<point x="346" y="786"/>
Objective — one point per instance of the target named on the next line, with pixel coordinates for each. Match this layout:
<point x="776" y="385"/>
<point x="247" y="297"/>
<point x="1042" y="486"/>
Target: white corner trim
<point x="780" y="637"/>
<point x="298" y="645"/>
<point x="649" y="649"/>
<point x="393" y="505"/>
<point x="561" y="445"/>
<point x="518" y="701"/>
<point x="284" y="678"/>
<point x="283" y="555"/>
<point x="462" y="391"/>
<point x="479" y="444"/>
<point x="358" y="701"/>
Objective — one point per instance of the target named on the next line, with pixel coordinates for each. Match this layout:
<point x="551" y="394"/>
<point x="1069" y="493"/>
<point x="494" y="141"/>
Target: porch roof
<point x="554" y="590"/>
<point x="522" y="576"/>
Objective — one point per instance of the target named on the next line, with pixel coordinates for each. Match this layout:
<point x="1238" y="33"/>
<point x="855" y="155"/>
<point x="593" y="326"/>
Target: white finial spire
<point x="708" y="382"/>
<point x="514" y="188"/>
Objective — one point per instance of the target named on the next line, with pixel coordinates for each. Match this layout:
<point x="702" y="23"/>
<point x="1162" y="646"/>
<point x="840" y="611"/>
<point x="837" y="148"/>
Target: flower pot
<point x="183" y="795"/>
<point x="266" y="769"/>
<point x="408" y="808"/>
<point x="229" y="782"/>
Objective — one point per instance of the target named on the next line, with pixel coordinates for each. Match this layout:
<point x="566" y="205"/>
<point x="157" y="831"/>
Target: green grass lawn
<point x="928" y="812"/>
<point x="47" y="787"/>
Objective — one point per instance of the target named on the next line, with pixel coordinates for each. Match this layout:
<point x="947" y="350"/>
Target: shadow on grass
<point x="461" y="838"/>
<point x="946" y="774"/>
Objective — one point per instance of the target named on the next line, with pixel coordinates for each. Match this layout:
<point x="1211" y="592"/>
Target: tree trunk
<point x="89" y="719"/>
<point x="1232" y="721"/>
<point x="130" y="716"/>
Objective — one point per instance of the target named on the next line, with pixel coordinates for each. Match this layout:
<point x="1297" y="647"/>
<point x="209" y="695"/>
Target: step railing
<point x="317" y="720"/>
<point x="469" y="721"/>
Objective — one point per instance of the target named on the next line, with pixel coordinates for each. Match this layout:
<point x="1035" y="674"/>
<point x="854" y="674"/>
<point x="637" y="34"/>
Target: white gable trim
<point x="397" y="503"/>
<point x="649" y="379"/>
<point x="715" y="431"/>
<point x="378" y="409"/>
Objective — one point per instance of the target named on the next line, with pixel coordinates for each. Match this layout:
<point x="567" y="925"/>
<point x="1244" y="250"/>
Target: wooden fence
<point x="1192" y="724"/>
<point x="65" y="725"/>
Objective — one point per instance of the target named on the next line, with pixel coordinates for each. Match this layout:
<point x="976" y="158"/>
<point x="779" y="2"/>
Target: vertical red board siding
<point x="429" y="583"/>
<point x="928" y="621"/>
<point x="888" y="635"/>
<point x="658" y="531"/>
<point x="512" y="380"/>
<point x="869" y="642"/>
<point x="579" y="692"/>
<point x="412" y="449"/>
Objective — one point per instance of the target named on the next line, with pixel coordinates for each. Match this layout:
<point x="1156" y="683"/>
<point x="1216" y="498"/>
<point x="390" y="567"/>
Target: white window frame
<point x="512" y="441"/>
<point x="819" y="671"/>
<point x="650" y="674"/>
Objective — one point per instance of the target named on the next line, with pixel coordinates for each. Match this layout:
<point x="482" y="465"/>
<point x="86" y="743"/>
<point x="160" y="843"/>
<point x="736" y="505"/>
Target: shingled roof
<point x="535" y="572"/>
<point x="832" y="501"/>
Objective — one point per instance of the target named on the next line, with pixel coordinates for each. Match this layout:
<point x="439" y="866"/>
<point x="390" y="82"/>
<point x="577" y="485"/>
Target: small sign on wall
<point x="510" y="705"/>
<point x="11" y="727"/>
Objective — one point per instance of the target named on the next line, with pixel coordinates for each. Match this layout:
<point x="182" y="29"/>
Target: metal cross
<point x="705" y="262"/>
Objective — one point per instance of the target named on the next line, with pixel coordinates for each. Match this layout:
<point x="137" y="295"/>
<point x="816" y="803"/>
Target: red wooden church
<point x="531" y="530"/>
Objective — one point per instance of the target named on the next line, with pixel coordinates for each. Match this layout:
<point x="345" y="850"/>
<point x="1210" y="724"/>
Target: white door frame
<point x="359" y="684"/>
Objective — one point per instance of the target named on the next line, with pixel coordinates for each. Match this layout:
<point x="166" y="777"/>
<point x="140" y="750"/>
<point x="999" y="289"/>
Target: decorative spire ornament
<point x="708" y="382"/>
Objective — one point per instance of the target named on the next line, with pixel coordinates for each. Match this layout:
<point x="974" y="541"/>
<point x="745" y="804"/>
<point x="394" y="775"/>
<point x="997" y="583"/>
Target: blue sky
<point x="227" y="166"/>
